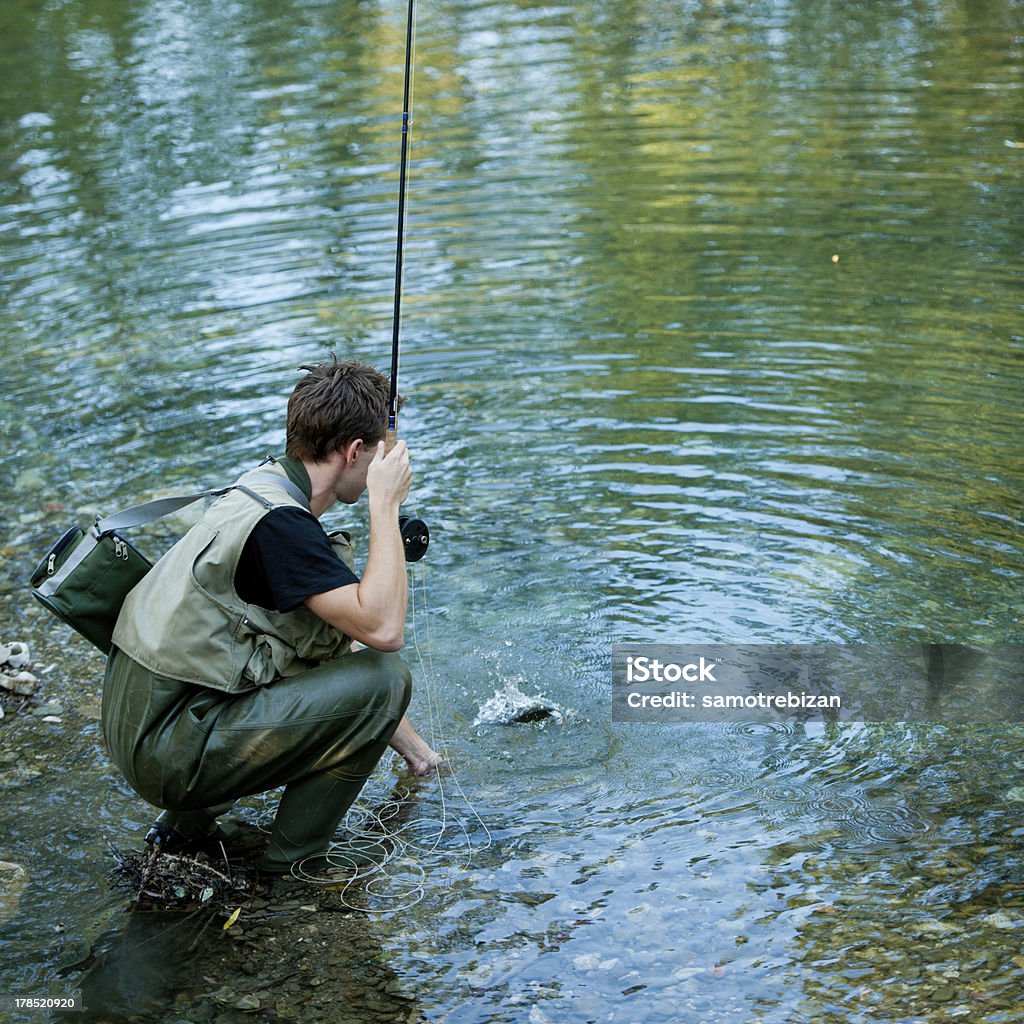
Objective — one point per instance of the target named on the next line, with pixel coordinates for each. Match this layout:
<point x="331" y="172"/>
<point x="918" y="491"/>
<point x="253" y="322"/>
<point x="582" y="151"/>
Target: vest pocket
<point x="271" y="656"/>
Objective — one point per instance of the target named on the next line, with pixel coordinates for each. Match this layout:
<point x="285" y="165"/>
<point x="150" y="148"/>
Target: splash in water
<point x="510" y="705"/>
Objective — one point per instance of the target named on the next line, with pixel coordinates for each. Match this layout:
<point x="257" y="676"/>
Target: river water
<point x="712" y="334"/>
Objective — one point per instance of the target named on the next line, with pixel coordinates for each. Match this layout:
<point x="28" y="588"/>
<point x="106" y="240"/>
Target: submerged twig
<point x="176" y="880"/>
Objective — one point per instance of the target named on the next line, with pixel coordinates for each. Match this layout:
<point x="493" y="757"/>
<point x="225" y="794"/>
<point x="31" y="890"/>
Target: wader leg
<point x="311" y="810"/>
<point x="319" y="734"/>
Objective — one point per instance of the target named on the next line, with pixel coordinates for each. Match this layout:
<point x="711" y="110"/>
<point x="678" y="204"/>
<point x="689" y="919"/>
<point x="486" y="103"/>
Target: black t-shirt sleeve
<point x="286" y="559"/>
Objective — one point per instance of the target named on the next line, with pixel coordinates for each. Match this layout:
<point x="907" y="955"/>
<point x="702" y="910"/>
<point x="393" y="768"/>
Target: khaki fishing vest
<point x="185" y="620"/>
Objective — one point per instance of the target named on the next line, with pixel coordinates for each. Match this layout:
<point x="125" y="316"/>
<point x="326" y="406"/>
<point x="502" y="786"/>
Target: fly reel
<point x="415" y="537"/>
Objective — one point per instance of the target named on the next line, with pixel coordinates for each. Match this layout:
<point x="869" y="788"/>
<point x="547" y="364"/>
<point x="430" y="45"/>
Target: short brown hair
<point x="335" y="403"/>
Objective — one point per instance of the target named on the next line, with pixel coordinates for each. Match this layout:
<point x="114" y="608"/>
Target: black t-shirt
<point x="286" y="559"/>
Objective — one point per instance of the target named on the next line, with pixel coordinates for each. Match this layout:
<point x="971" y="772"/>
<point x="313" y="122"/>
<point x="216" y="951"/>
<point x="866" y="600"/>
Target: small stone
<point x="52" y="718"/>
<point x="685" y="973"/>
<point x="29" y="480"/>
<point x="936" y="928"/>
<point x="396" y="989"/>
<point x="53" y="708"/>
<point x="22" y="683"/>
<point x="11" y="875"/>
<point x="1016" y="794"/>
<point x="247" y="1002"/>
<point x="1000" y="919"/>
<point x="18" y="656"/>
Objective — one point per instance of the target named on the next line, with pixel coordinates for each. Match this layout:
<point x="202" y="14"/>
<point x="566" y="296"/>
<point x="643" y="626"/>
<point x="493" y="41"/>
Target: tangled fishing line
<point x="384" y="856"/>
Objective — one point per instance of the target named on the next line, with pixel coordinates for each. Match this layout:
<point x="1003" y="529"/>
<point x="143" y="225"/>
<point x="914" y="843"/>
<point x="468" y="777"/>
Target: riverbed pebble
<point x="1001" y="919"/>
<point x="14" y="656"/>
<point x="14" y="675"/>
<point x="13" y="879"/>
<point x="22" y="683"/>
<point x="53" y="709"/>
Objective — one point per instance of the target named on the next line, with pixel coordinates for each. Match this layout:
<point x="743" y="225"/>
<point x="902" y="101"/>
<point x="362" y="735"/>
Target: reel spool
<point x="415" y="537"/>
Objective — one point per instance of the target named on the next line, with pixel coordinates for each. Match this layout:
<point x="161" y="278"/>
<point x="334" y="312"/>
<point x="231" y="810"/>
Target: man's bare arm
<point x="418" y="754"/>
<point x="373" y="611"/>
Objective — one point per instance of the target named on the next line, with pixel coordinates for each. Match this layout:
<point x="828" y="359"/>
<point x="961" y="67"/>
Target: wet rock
<point x="13" y="879"/>
<point x="52" y="709"/>
<point x="29" y="480"/>
<point x="22" y="683"/>
<point x="935" y="928"/>
<point x="14" y="656"/>
<point x="686" y="973"/>
<point x="1001" y="919"/>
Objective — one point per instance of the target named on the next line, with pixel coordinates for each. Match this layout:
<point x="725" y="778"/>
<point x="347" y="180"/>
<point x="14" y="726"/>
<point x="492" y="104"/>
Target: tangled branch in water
<point x="178" y="881"/>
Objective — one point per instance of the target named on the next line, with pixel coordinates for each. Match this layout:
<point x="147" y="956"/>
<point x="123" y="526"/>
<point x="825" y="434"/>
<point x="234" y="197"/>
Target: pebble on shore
<point x="15" y="677"/>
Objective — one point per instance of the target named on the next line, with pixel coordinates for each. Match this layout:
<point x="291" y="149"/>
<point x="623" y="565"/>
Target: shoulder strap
<point x="291" y="489"/>
<point x="150" y="510"/>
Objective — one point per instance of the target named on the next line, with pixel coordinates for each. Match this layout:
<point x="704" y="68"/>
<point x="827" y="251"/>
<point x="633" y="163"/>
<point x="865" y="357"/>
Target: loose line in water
<point x="387" y="857"/>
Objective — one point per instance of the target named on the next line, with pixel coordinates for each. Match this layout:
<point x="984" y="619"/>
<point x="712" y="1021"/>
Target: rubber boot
<point x="179" y="830"/>
<point x="310" y="812"/>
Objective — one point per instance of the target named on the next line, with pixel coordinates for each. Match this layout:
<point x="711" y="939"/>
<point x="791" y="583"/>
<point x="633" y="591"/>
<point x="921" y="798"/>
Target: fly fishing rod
<point x="415" y="535"/>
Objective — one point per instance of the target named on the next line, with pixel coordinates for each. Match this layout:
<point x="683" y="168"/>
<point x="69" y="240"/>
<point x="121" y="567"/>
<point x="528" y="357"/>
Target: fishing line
<point x="373" y="829"/>
<point x="383" y="859"/>
<point x="431" y="679"/>
<point x="400" y="851"/>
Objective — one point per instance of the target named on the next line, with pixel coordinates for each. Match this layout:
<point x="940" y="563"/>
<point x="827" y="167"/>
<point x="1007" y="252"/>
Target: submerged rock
<point x="13" y="879"/>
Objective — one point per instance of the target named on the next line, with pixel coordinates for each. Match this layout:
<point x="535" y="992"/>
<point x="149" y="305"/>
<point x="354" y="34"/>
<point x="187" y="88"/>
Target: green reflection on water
<point x="645" y="399"/>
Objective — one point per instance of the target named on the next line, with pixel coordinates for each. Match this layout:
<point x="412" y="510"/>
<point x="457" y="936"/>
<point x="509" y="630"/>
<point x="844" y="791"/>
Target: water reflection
<point x="711" y="336"/>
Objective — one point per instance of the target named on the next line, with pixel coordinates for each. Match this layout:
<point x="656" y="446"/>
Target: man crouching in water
<point x="231" y="671"/>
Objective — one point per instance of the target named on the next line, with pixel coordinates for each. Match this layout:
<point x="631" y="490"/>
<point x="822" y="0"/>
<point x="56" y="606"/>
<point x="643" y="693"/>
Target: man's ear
<point x="352" y="451"/>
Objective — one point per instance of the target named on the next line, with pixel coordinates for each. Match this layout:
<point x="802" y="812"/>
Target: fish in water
<point x="510" y="706"/>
